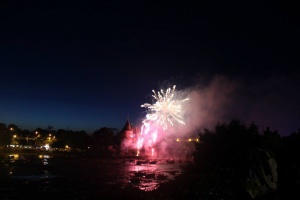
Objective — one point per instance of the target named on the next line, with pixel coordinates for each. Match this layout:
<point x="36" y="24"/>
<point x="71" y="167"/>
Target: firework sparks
<point x="165" y="110"/>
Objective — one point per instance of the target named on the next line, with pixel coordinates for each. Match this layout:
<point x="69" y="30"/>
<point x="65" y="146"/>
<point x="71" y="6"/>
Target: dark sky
<point x="79" y="65"/>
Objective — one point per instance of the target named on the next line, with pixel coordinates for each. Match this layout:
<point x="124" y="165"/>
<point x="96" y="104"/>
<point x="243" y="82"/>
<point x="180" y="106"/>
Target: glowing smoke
<point x="209" y="104"/>
<point x="270" y="101"/>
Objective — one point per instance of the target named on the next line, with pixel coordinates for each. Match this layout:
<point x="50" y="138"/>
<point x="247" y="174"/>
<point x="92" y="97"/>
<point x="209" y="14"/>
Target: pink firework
<point x="164" y="112"/>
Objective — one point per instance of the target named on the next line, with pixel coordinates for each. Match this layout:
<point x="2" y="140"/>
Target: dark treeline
<point x="235" y="161"/>
<point x="103" y="140"/>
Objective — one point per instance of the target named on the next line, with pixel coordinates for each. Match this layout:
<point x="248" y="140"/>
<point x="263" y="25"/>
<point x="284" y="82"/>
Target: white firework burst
<point x="165" y="110"/>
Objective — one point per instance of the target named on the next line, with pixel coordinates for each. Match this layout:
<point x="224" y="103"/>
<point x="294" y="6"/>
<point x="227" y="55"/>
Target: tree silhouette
<point x="5" y="136"/>
<point x="104" y="136"/>
<point x="230" y="163"/>
<point x="103" y="142"/>
<point x="74" y="139"/>
<point x="289" y="165"/>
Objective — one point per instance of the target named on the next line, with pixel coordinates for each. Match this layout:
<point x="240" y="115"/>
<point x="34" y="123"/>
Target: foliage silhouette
<point x="230" y="163"/>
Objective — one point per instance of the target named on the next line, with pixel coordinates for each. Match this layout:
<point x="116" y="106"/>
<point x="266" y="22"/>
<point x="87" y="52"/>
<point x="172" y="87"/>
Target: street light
<point x="14" y="137"/>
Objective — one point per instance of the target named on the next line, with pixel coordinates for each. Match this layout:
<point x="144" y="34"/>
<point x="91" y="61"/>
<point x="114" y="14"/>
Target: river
<point x="52" y="176"/>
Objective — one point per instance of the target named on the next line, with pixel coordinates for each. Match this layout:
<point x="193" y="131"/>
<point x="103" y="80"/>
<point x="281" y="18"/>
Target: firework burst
<point x="166" y="110"/>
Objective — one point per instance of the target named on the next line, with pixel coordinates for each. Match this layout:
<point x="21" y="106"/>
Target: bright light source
<point x="165" y="110"/>
<point x="47" y="146"/>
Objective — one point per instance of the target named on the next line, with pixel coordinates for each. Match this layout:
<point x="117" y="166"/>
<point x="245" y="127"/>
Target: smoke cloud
<point x="271" y="102"/>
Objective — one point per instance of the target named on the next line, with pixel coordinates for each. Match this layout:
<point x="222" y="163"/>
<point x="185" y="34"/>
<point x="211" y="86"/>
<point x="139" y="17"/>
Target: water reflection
<point x="44" y="159"/>
<point x="19" y="166"/>
<point x="148" y="175"/>
<point x="142" y="174"/>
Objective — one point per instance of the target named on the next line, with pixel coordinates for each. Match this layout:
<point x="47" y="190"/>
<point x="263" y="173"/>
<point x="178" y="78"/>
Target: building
<point x="128" y="137"/>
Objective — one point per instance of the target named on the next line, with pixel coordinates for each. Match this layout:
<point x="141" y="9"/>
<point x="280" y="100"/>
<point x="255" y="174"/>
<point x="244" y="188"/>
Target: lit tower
<point x="127" y="139"/>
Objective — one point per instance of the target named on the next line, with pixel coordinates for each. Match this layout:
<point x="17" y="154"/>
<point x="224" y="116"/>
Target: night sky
<point x="82" y="66"/>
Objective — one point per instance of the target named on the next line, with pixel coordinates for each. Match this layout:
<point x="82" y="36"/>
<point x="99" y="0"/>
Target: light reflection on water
<point x="148" y="177"/>
<point x="144" y="176"/>
<point x="44" y="159"/>
<point x="19" y="166"/>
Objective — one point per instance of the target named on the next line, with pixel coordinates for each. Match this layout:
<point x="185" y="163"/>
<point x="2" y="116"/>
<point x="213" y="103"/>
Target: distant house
<point x="127" y="130"/>
<point x="128" y="137"/>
